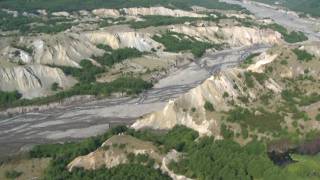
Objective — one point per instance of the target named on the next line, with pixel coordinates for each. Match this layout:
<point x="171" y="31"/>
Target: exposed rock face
<point x="264" y="59"/>
<point x="235" y="36"/>
<point x="211" y="90"/>
<point x="140" y="41"/>
<point x="16" y="55"/>
<point x="313" y="48"/>
<point x="33" y="80"/>
<point x="61" y="13"/>
<point x="109" y="155"/>
<point x="106" y="12"/>
<point x="179" y="111"/>
<point x="66" y="49"/>
<point x="162" y="11"/>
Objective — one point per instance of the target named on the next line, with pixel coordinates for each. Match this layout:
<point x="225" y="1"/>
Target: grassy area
<point x="112" y="57"/>
<point x="160" y="21"/>
<point x="304" y="167"/>
<point x="169" y="20"/>
<point x="303" y="55"/>
<point x="249" y="59"/>
<point x="23" y="168"/>
<point x="177" y="42"/>
<point x="70" y="5"/>
<point x="263" y="121"/>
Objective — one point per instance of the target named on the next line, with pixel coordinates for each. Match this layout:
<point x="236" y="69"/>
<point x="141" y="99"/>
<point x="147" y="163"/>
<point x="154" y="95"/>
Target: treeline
<point x="290" y="37"/>
<point x="203" y="158"/>
<point x="302" y="55"/>
<point x="156" y="20"/>
<point x="176" y="42"/>
<point x="26" y="25"/>
<point x="127" y="85"/>
<point x="86" y="74"/>
<point x="112" y="57"/>
<point x="73" y="5"/>
<point x="9" y="97"/>
<point x="160" y="21"/>
<point x="179" y="137"/>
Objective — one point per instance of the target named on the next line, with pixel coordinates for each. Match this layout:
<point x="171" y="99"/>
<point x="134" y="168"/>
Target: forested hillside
<point x="59" y="5"/>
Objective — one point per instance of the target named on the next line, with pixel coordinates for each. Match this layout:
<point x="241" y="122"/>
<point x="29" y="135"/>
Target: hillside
<point x="158" y="89"/>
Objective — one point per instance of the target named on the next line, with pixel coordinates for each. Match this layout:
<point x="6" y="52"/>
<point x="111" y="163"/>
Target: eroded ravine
<point x="80" y="121"/>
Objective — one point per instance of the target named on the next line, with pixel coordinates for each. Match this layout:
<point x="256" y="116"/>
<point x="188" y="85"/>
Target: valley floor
<point x="92" y="118"/>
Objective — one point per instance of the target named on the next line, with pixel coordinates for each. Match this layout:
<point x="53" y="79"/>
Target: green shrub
<point x="8" y="98"/>
<point x="177" y="42"/>
<point x="54" y="86"/>
<point x="226" y="132"/>
<point x="284" y="62"/>
<point x="117" y="56"/>
<point x="264" y="121"/>
<point x="225" y="95"/>
<point x="292" y="37"/>
<point x="248" y="80"/>
<point x="303" y="55"/>
<point x="179" y="138"/>
<point x="208" y="106"/>
<point x="249" y="59"/>
<point x="13" y="174"/>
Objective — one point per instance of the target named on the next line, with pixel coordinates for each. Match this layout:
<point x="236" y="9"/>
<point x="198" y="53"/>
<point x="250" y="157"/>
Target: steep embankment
<point x="232" y="35"/>
<point x="161" y="11"/>
<point x="34" y="80"/>
<point x="258" y="99"/>
<point x="25" y="63"/>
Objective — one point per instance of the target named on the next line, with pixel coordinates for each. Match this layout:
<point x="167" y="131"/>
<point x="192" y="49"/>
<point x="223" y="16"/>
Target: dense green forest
<point x="70" y="5"/>
<point x="311" y="7"/>
<point x="204" y="158"/>
<point x="27" y="25"/>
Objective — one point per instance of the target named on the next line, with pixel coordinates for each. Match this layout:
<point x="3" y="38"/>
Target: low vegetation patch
<point x="112" y="57"/>
<point x="290" y="37"/>
<point x="256" y="119"/>
<point x="303" y="55"/>
<point x="160" y="21"/>
<point x="13" y="174"/>
<point x="208" y="106"/>
<point x="249" y="59"/>
<point x="176" y="42"/>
